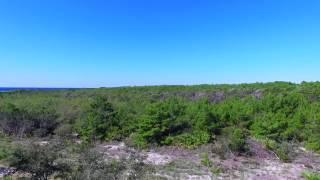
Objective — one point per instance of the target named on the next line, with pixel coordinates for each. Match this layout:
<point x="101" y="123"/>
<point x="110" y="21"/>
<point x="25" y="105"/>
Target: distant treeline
<point x="186" y="116"/>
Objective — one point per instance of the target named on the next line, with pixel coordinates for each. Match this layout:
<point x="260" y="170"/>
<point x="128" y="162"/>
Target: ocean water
<point x="12" y="89"/>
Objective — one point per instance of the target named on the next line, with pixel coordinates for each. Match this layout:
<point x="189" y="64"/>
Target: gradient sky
<point x="94" y="43"/>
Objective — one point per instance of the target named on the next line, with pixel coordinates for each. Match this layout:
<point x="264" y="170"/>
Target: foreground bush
<point x="238" y="141"/>
<point x="55" y="160"/>
<point x="40" y="161"/>
<point x="5" y="148"/>
<point x="283" y="150"/>
<point x="92" y="165"/>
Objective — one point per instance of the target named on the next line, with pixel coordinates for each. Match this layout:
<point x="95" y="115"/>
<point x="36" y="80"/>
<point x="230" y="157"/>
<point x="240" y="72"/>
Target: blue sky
<point x="94" y="43"/>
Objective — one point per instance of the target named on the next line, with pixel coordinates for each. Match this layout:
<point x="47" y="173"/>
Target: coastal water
<point x="12" y="89"/>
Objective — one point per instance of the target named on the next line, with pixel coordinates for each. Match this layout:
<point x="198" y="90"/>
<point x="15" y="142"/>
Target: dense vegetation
<point x="186" y="116"/>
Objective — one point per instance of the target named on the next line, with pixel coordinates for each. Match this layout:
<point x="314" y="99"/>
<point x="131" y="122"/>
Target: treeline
<point x="186" y="116"/>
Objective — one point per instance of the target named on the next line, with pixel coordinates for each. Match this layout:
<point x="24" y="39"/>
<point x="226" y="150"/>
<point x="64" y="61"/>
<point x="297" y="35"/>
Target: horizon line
<point x="155" y="85"/>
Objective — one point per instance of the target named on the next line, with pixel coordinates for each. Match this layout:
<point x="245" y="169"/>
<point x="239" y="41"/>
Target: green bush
<point x="64" y="130"/>
<point x="5" y="148"/>
<point x="92" y="165"/>
<point x="238" y="140"/>
<point x="189" y="140"/>
<point x="270" y="126"/>
<point x="162" y="120"/>
<point x="176" y="122"/>
<point x="283" y="150"/>
<point x="101" y="121"/>
<point x="206" y="160"/>
<point x="41" y="161"/>
<point x="20" y="121"/>
<point x="311" y="176"/>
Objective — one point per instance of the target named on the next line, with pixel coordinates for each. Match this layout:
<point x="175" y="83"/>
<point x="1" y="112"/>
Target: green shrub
<point x="270" y="144"/>
<point x="283" y="150"/>
<point x="269" y="125"/>
<point x="216" y="170"/>
<point x="313" y="144"/>
<point x="4" y="153"/>
<point x="20" y="121"/>
<point x="101" y="122"/>
<point x="93" y="165"/>
<point x="5" y="148"/>
<point x="238" y="140"/>
<point x="283" y="153"/>
<point x="138" y="141"/>
<point x="203" y="118"/>
<point x="64" y="130"/>
<point x="7" y="178"/>
<point x="311" y="176"/>
<point x="206" y="160"/>
<point x="41" y="161"/>
<point x="189" y="140"/>
<point x="161" y="121"/>
<point x="175" y="122"/>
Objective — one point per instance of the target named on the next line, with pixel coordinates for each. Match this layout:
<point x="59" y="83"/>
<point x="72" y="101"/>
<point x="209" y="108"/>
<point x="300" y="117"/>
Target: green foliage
<point x="189" y="140"/>
<point x="5" y="148"/>
<point x="92" y="165"/>
<point x="64" y="130"/>
<point x="313" y="143"/>
<point x="39" y="121"/>
<point x="238" y="140"/>
<point x="311" y="176"/>
<point x="283" y="150"/>
<point x="177" y="122"/>
<point x="168" y="115"/>
<point x="7" y="178"/>
<point x="310" y="132"/>
<point x="161" y="121"/>
<point x="41" y="161"/>
<point x="53" y="161"/>
<point x="216" y="170"/>
<point x="101" y="121"/>
<point x="235" y="111"/>
<point x="202" y="118"/>
<point x="270" y="125"/>
<point x="206" y="160"/>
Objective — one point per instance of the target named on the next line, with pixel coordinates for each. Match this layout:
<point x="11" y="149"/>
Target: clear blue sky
<point x="93" y="43"/>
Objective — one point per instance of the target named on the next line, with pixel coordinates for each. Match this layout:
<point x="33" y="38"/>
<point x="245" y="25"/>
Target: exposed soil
<point x="175" y="163"/>
<point x="178" y="163"/>
<point x="6" y="171"/>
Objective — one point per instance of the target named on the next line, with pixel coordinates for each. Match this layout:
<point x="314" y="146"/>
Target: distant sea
<point x="12" y="89"/>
